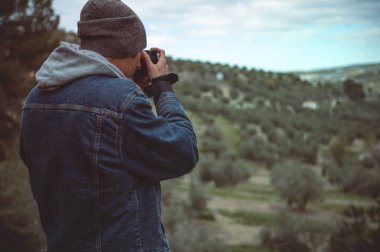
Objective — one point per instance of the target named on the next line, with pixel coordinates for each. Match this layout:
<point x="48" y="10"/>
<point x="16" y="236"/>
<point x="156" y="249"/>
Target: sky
<point x="273" y="35"/>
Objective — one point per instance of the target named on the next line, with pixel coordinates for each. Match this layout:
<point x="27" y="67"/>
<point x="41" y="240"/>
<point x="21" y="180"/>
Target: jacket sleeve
<point x="158" y="147"/>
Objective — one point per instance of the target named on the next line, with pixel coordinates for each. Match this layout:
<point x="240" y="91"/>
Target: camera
<point x="143" y="71"/>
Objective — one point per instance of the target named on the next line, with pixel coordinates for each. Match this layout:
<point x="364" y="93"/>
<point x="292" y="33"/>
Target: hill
<point x="247" y="122"/>
<point x="276" y="108"/>
<point x="367" y="74"/>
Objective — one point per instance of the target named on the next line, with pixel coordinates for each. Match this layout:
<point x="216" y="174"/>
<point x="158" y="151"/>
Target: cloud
<point x="373" y="33"/>
<point x="216" y="18"/>
<point x="247" y="31"/>
<point x="219" y="18"/>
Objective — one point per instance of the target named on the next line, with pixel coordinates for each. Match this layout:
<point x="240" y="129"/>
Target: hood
<point x="68" y="62"/>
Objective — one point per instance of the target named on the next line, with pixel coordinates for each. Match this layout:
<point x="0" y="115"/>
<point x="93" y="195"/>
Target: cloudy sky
<point x="276" y="35"/>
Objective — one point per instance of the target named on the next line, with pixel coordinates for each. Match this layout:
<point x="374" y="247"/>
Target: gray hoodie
<point x="68" y="62"/>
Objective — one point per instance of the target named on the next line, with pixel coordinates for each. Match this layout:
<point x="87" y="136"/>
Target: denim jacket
<point x="96" y="154"/>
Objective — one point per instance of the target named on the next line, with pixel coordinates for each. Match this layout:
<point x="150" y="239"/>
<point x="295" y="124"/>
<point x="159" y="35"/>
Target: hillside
<point x="277" y="108"/>
<point x="248" y="122"/>
<point x="367" y="74"/>
<point x="288" y="161"/>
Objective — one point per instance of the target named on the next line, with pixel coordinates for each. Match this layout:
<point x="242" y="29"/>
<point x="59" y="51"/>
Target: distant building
<point x="219" y="76"/>
<point x="310" y="105"/>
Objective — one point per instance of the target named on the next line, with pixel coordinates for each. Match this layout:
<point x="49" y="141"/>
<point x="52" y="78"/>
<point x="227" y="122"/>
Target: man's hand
<point x="144" y="83"/>
<point x="159" y="69"/>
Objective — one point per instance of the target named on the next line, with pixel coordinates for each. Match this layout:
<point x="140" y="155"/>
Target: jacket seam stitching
<point x="124" y="107"/>
<point x="128" y="100"/>
<point x="137" y="221"/>
<point x="119" y="135"/>
<point x="166" y="100"/>
<point x="99" y="123"/>
<point x="99" y="111"/>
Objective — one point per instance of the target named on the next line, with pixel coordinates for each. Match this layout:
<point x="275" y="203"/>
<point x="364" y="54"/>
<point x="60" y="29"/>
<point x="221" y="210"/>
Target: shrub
<point x="292" y="234"/>
<point x="234" y="94"/>
<point x="359" y="231"/>
<point x="184" y="232"/>
<point x="361" y="176"/>
<point x="224" y="171"/>
<point x="20" y="228"/>
<point x="338" y="149"/>
<point x="358" y="179"/>
<point x="190" y="237"/>
<point x="229" y="172"/>
<point x="353" y="90"/>
<point x="257" y="149"/>
<point x="197" y="197"/>
<point x="296" y="183"/>
<point x="213" y="132"/>
<point x="332" y="171"/>
<point x="214" y="146"/>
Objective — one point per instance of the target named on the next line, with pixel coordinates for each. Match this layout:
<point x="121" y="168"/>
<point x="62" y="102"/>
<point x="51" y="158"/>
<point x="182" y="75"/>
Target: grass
<point x="236" y="194"/>
<point x="230" y="134"/>
<point x="255" y="188"/>
<point x="249" y="218"/>
<point x="334" y="194"/>
<point x="206" y="215"/>
<point x="253" y="165"/>
<point x="196" y="121"/>
<point x="18" y="212"/>
<point x="247" y="248"/>
<point x="328" y="206"/>
<point x="244" y="191"/>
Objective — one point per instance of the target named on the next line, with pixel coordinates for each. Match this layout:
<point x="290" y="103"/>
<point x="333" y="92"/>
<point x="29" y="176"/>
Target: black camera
<point x="143" y="71"/>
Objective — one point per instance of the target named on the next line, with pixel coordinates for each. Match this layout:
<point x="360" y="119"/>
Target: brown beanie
<point x="111" y="28"/>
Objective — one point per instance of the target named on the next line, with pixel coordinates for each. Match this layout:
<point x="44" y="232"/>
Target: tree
<point x="197" y="196"/>
<point x="224" y="170"/>
<point x="358" y="231"/>
<point x="296" y="183"/>
<point x="26" y="29"/>
<point x="290" y="234"/>
<point x="353" y="90"/>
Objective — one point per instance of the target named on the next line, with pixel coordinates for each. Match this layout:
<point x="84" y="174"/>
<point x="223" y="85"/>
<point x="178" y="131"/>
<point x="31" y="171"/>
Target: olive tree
<point x="296" y="183"/>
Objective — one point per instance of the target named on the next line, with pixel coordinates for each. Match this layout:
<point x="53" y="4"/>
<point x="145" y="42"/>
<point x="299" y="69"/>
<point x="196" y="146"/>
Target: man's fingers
<point x="161" y="68"/>
<point x="161" y="53"/>
<point x="146" y="58"/>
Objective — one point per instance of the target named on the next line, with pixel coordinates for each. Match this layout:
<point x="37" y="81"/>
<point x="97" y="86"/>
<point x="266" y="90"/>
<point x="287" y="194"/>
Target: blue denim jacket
<point x="96" y="154"/>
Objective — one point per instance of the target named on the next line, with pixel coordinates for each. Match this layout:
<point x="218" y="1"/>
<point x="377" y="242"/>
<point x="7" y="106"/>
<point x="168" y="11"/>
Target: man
<point x="95" y="151"/>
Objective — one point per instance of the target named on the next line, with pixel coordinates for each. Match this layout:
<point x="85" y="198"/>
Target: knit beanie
<point x="111" y="28"/>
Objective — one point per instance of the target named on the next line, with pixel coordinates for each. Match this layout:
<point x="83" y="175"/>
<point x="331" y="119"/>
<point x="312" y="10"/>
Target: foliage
<point x="338" y="149"/>
<point x="249" y="218"/>
<point x="296" y="183"/>
<point x="198" y="198"/>
<point x="20" y="228"/>
<point x="223" y="171"/>
<point x="26" y="29"/>
<point x="353" y="90"/>
<point x="292" y="234"/>
<point x="189" y="237"/>
<point x="360" y="180"/>
<point x="182" y="229"/>
<point x="247" y="248"/>
<point x="351" y="174"/>
<point x="359" y="231"/>
<point x="265" y="107"/>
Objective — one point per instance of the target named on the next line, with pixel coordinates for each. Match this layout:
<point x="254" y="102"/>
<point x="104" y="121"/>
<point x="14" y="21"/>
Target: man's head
<point x="112" y="29"/>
